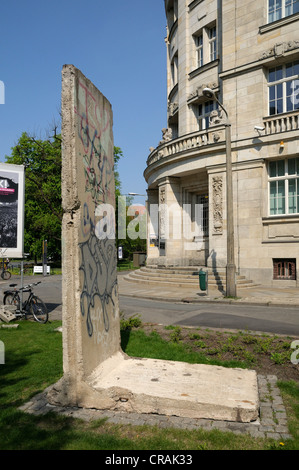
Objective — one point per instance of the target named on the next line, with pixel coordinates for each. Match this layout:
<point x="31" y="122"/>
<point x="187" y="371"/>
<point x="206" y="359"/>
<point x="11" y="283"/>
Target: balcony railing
<point x="216" y="134"/>
<point x="281" y="123"/>
<point x="189" y="142"/>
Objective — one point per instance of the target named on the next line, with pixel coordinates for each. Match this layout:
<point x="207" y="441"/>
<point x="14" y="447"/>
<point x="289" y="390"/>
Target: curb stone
<point x="271" y="424"/>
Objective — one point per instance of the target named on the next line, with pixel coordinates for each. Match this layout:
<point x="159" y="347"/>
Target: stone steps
<point x="182" y="277"/>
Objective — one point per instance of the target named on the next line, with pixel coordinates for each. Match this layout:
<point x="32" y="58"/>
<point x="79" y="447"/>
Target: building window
<point x="283" y="82"/>
<point x="284" y="186"/>
<point x="174" y="70"/>
<point x="284" y="269"/>
<point x="205" y="42"/>
<point x="204" y="111"/>
<point x="278" y="9"/>
<point x="172" y="13"/>
<point x="204" y="201"/>
<point x="199" y="50"/>
<point x="212" y="43"/>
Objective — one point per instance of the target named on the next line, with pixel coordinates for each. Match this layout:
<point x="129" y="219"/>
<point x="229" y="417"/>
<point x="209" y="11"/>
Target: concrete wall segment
<point x="90" y="300"/>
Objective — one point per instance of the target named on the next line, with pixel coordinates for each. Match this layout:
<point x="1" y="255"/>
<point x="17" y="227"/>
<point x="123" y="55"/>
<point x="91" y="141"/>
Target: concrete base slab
<point x="175" y="388"/>
<point x="7" y="313"/>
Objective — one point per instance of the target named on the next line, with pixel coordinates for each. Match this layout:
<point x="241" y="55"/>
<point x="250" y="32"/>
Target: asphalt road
<point x="279" y="320"/>
<point x="254" y="318"/>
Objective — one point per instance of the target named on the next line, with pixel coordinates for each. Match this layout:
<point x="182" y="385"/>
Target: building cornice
<point x="282" y="49"/>
<point x="194" y="4"/>
<point x="203" y="68"/>
<point x="277" y="24"/>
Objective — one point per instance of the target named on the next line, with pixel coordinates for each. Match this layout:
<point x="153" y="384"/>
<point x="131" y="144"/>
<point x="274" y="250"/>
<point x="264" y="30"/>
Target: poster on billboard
<point x="12" y="192"/>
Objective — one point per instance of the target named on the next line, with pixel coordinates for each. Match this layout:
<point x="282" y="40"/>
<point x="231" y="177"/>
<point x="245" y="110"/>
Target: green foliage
<point x="118" y="154"/>
<point x="43" y="209"/>
<point x="43" y="212"/>
<point x="175" y="336"/>
<point x="29" y="368"/>
<point x="133" y="242"/>
<point x="128" y="323"/>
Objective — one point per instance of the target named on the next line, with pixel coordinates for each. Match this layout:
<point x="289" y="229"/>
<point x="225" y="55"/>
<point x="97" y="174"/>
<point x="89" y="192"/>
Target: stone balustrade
<point x="216" y="134"/>
<point x="189" y="142"/>
<point x="281" y="123"/>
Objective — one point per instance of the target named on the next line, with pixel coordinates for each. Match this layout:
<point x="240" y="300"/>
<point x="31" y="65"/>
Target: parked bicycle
<point x="5" y="274"/>
<point x="32" y="305"/>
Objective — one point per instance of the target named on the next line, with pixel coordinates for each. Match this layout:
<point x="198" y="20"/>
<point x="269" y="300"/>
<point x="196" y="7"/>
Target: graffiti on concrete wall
<point x="94" y="133"/>
<point x="98" y="254"/>
<point x="98" y="265"/>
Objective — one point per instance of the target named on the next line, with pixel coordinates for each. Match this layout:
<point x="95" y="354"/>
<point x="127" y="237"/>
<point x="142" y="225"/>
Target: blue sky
<point x="118" y="45"/>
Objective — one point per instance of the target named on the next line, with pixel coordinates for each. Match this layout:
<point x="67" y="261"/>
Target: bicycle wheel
<point x="38" y="310"/>
<point x="6" y="275"/>
<point x="11" y="299"/>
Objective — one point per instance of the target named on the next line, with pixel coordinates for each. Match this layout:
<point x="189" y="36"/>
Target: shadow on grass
<point x="125" y="338"/>
<point x="12" y="375"/>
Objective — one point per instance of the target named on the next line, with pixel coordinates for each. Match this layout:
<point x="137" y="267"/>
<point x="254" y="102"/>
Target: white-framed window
<point x="212" y="43"/>
<point x="199" y="50"/>
<point x="283" y="83"/>
<point x="205" y="45"/>
<point x="278" y="9"/>
<point x="204" y="111"/>
<point x="284" y="187"/>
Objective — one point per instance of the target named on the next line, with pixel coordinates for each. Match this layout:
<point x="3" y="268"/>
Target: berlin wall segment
<point x="97" y="373"/>
<point x="91" y="330"/>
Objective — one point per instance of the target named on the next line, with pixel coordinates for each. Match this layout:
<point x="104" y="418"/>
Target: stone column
<point x="152" y="226"/>
<point x="170" y="220"/>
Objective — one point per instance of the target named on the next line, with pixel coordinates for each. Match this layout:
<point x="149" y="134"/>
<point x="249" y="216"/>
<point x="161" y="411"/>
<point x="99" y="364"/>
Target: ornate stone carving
<point x="166" y="135"/>
<point x="162" y="196"/>
<point x="280" y="49"/>
<point x="216" y="117"/>
<point x="162" y="214"/>
<point x="198" y="92"/>
<point x="172" y="108"/>
<point x="217" y="185"/>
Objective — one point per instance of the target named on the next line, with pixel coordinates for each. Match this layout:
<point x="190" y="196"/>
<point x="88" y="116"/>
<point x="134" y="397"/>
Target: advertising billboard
<point x="12" y="191"/>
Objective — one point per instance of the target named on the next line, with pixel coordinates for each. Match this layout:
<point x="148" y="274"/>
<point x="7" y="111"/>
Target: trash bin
<point x="202" y="279"/>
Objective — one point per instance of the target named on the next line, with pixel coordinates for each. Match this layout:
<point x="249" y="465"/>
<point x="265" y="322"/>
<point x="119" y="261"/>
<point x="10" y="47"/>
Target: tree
<point x="43" y="212"/>
<point x="118" y="154"/>
<point x="43" y="209"/>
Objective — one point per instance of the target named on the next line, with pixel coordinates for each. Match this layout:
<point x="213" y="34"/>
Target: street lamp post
<point x="230" y="267"/>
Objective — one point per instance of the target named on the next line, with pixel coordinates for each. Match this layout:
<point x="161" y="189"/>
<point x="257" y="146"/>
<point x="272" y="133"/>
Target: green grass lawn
<point x="33" y="360"/>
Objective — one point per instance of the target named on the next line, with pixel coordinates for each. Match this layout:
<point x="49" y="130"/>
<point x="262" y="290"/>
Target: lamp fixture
<point x="208" y="93"/>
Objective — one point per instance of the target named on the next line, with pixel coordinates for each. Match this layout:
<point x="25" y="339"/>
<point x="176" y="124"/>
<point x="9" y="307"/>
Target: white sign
<point x="12" y="192"/>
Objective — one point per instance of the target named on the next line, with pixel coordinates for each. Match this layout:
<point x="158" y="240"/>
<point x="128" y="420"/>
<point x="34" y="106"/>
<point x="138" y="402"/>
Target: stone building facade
<point x="248" y="54"/>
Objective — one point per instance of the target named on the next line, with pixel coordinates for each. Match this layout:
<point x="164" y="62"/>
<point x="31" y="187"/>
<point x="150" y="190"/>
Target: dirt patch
<point x="267" y="354"/>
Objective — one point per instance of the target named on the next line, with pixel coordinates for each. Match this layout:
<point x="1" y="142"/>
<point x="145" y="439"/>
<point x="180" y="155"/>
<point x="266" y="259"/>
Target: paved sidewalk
<point x="271" y="424"/>
<point x="257" y="295"/>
